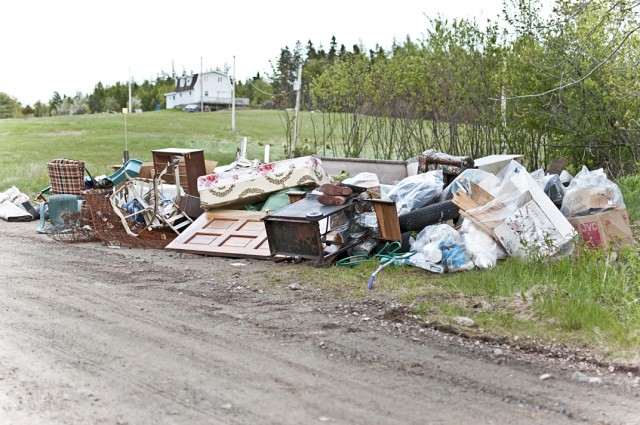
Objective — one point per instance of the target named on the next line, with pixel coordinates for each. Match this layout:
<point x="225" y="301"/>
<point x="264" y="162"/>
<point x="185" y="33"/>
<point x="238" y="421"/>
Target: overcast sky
<point x="69" y="46"/>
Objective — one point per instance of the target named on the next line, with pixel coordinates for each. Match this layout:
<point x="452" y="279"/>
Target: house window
<point x="189" y="93"/>
<point x="206" y="93"/>
<point x="219" y="79"/>
<point x="173" y="97"/>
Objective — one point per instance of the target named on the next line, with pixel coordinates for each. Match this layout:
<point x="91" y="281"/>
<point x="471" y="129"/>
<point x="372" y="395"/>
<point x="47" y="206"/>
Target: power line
<point x="268" y="94"/>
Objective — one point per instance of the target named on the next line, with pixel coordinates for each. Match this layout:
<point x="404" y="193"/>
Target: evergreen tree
<point x="284" y="74"/>
<point x="27" y="111"/>
<point x="97" y="99"/>
<point x="311" y="51"/>
<point x="55" y="103"/>
<point x="333" y="46"/>
<point x="40" y="110"/>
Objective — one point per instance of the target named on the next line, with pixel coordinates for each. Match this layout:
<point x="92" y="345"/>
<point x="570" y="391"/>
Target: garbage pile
<point x="452" y="214"/>
<point x="517" y="213"/>
<point x="438" y="212"/>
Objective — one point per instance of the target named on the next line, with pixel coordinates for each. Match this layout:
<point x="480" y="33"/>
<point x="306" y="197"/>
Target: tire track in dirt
<point x="215" y="345"/>
<point x="463" y="381"/>
<point x="98" y="298"/>
<point x="101" y="299"/>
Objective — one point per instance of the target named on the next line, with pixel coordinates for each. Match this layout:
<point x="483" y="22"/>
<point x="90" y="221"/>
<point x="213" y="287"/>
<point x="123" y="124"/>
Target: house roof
<point x="186" y="87"/>
<point x="194" y="79"/>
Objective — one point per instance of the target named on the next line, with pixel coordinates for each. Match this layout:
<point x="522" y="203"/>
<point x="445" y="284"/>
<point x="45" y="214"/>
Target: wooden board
<point x="387" y="216"/>
<point x="226" y="233"/>
<point x="466" y="203"/>
<point x="481" y="196"/>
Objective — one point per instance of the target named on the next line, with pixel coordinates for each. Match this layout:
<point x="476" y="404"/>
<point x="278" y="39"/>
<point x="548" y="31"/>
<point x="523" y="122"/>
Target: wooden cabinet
<point x="191" y="166"/>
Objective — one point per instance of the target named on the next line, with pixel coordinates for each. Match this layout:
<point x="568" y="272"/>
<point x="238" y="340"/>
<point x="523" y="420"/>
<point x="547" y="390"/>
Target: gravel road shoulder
<point x="96" y="335"/>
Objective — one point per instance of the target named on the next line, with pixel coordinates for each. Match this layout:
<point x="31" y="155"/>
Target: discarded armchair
<point x="67" y="184"/>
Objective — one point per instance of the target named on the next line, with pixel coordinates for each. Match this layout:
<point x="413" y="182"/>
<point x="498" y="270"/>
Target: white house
<point x="213" y="88"/>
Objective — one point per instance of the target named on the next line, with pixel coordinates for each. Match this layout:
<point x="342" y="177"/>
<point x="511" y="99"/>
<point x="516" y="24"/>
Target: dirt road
<point x="96" y="335"/>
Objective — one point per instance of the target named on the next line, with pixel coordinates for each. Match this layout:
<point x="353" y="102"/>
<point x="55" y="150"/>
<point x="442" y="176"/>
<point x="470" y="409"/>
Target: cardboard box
<point x="495" y="163"/>
<point x="604" y="228"/>
<point x="580" y="201"/>
<point x="523" y="219"/>
<point x="532" y="231"/>
<point x="210" y="166"/>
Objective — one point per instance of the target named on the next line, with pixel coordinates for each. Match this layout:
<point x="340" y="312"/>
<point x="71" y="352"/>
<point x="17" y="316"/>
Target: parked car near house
<point x="192" y="108"/>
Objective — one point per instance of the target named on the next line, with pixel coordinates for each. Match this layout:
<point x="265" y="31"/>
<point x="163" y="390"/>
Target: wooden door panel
<point x="231" y="233"/>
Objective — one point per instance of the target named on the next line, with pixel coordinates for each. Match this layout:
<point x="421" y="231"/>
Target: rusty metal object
<point x="308" y="228"/>
<point x="108" y="228"/>
<point x="77" y="227"/>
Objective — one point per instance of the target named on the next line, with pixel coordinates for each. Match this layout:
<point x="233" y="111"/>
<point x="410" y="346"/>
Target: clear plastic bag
<point x="484" y="179"/>
<point x="522" y="218"/>
<point x="591" y="192"/>
<point x="416" y="191"/>
<point x="441" y="243"/>
<point x="551" y="185"/>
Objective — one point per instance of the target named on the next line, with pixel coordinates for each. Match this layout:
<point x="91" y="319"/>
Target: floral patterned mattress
<point x="249" y="185"/>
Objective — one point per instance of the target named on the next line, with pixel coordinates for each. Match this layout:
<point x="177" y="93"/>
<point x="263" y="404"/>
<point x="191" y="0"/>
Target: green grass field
<point x="591" y="299"/>
<point x="26" y="145"/>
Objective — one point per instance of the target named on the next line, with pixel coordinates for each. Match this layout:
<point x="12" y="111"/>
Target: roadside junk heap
<point x="438" y="212"/>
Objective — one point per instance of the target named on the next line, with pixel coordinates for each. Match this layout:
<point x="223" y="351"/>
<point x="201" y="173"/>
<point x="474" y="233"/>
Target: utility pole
<point x="125" y="154"/>
<point x="297" y="86"/>
<point x="233" y="96"/>
<point x="129" y="108"/>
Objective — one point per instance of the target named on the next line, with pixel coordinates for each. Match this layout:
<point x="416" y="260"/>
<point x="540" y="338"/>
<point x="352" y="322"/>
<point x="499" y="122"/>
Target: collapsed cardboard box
<point x="495" y="163"/>
<point x="534" y="230"/>
<point x="602" y="229"/>
<point x="521" y="217"/>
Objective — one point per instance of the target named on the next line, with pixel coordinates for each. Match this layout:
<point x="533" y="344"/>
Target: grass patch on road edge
<point x="591" y="299"/>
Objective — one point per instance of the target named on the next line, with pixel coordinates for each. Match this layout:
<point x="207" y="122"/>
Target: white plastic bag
<point x="417" y="191"/>
<point x="9" y="194"/>
<point x="363" y="180"/>
<point x="483" y="250"/>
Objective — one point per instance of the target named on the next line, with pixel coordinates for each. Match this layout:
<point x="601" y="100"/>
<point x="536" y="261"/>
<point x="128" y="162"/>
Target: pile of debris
<point x="439" y="212"/>
<point x="442" y="213"/>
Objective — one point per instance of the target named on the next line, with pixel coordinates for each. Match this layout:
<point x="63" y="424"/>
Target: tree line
<point x="543" y="85"/>
<point x="104" y="99"/>
<point x="563" y="83"/>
